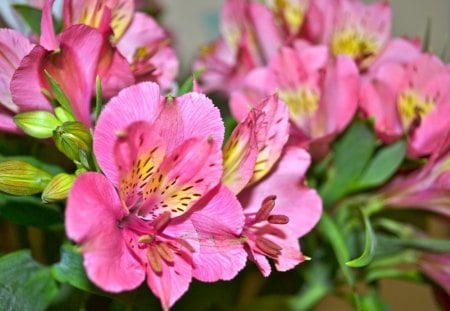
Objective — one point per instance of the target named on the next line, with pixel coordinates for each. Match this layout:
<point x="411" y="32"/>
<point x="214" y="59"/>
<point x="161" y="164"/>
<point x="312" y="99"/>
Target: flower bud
<point x="71" y="138"/>
<point x="21" y="178"/>
<point x="63" y="115"/>
<point x="38" y="124"/>
<point x="58" y="188"/>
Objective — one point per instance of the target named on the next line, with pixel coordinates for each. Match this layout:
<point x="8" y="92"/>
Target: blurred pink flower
<point x="268" y="176"/>
<point x="13" y="48"/>
<point x="350" y="27"/>
<point x="321" y="93"/>
<point x="412" y="99"/>
<point x="250" y="37"/>
<point x="160" y="212"/>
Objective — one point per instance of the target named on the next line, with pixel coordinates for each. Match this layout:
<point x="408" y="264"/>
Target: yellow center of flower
<point x="141" y="53"/>
<point x="292" y="13"/>
<point x="354" y="43"/>
<point x="302" y="102"/>
<point x="412" y="106"/>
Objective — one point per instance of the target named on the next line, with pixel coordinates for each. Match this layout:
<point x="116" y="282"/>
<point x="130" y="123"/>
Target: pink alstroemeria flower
<point x="160" y="212"/>
<point x="411" y="99"/>
<point x="64" y="58"/>
<point x="437" y="267"/>
<point x="321" y="93"/>
<point x="427" y="189"/>
<point x="249" y="38"/>
<point x="268" y="176"/>
<point x="13" y="48"/>
<point x="144" y="46"/>
<point x="350" y="27"/>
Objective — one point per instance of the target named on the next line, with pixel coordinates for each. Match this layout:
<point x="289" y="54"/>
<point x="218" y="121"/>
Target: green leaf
<point x="352" y="152"/>
<point x="331" y="232"/>
<point x="29" y="211"/>
<point x="370" y="245"/>
<point x="426" y="45"/>
<point x="70" y="270"/>
<point x="98" y="97"/>
<point x="31" y="16"/>
<point x="230" y="124"/>
<point x="372" y="302"/>
<point x="60" y="97"/>
<point x="188" y="85"/>
<point x="25" y="284"/>
<point x="382" y="166"/>
<point x="392" y="273"/>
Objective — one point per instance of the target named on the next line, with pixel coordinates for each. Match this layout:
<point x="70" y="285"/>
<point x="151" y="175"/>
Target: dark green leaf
<point x="426" y="45"/>
<point x="352" y="152"/>
<point x="25" y="284"/>
<point x="230" y="124"/>
<point x="31" y="16"/>
<point x="383" y="166"/>
<point x="188" y="85"/>
<point x="369" y="246"/>
<point x="392" y="273"/>
<point x="372" y="302"/>
<point x="29" y="211"/>
<point x="70" y="270"/>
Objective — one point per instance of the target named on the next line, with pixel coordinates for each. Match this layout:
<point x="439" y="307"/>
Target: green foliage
<point x="25" y="284"/>
<point x="188" y="85"/>
<point x="29" y="211"/>
<point x="31" y="16"/>
<point x="370" y="245"/>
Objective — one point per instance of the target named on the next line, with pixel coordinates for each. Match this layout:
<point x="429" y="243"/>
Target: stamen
<point x="266" y="208"/>
<point x="268" y="246"/>
<point x="278" y="219"/>
<point x="165" y="252"/>
<point x="154" y="260"/>
<point x="161" y="222"/>
<point x="146" y="238"/>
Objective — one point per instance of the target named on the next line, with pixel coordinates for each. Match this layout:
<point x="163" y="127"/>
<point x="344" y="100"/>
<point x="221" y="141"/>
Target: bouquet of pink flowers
<point x="121" y="189"/>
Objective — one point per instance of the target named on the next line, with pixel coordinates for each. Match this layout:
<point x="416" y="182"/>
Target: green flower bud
<point x="38" y="124"/>
<point x="63" y="115"/>
<point x="71" y="138"/>
<point x="21" y="178"/>
<point x="58" y="188"/>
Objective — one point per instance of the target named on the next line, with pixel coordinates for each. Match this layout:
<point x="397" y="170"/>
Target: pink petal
<point x="340" y="94"/>
<point x="398" y="51"/>
<point x="28" y="76"/>
<point x="277" y="118"/>
<point x="7" y="122"/>
<point x="190" y="115"/>
<point x="13" y="48"/>
<point x="218" y="221"/>
<point x="241" y="151"/>
<point x="92" y="215"/>
<point x="194" y="168"/>
<point x="302" y="205"/>
<point x="48" y="38"/>
<point x="140" y="102"/>
<point x="172" y="282"/>
<point x="290" y="255"/>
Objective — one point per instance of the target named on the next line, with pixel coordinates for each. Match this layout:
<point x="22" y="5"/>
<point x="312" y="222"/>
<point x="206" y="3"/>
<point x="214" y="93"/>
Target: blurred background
<point x="195" y="22"/>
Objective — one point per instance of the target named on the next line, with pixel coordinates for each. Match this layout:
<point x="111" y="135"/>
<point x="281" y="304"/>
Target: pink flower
<point x="250" y="37"/>
<point x="427" y="189"/>
<point x="437" y="267"/>
<point x="321" y="94"/>
<point x="160" y="213"/>
<point x="144" y="46"/>
<point x="64" y="58"/>
<point x="350" y="27"/>
<point x="13" y="48"/>
<point x="278" y="207"/>
<point x="411" y="99"/>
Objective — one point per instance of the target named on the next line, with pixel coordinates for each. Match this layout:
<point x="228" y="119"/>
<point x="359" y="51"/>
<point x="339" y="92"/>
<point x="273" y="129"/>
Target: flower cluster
<point x="327" y="112"/>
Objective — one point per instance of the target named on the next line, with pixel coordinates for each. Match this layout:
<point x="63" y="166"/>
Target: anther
<point x="146" y="238"/>
<point x="165" y="252"/>
<point x="278" y="219"/>
<point x="268" y="246"/>
<point x="266" y="208"/>
<point x="154" y="260"/>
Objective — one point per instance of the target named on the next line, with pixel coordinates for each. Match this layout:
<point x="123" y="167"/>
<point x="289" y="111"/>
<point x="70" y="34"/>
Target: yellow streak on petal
<point x="412" y="106"/>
